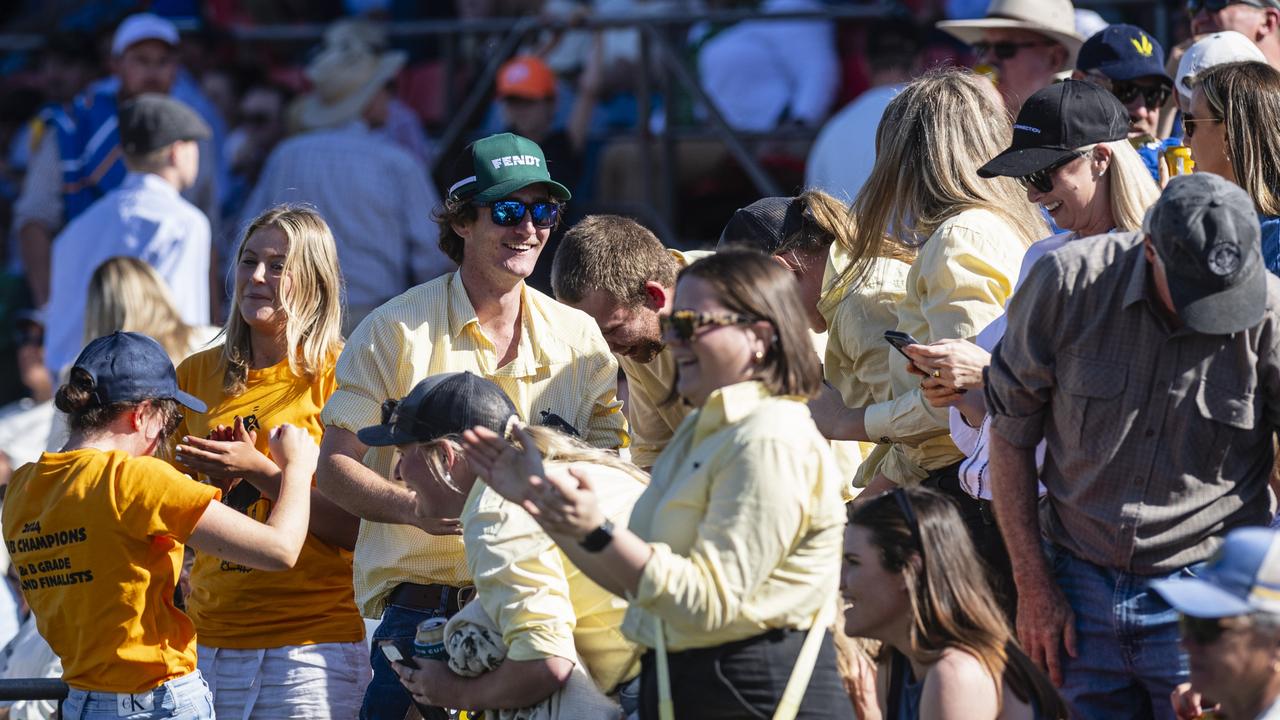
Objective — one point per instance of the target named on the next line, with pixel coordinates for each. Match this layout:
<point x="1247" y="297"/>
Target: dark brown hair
<point x="76" y="399"/>
<point x="453" y="211"/>
<point x="950" y="597"/>
<point x="611" y="253"/>
<point x="751" y="283"/>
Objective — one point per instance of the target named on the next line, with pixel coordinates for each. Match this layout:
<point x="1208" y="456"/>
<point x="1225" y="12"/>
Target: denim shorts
<point x="325" y="681"/>
<point x="184" y="698"/>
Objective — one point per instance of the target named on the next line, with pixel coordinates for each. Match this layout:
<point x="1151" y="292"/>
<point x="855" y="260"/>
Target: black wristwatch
<point x="599" y="538"/>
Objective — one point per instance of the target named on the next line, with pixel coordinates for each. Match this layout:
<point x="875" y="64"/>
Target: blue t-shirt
<point x="1270" y="242"/>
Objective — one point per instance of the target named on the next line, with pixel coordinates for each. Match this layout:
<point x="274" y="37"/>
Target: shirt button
<point x="885" y="439"/>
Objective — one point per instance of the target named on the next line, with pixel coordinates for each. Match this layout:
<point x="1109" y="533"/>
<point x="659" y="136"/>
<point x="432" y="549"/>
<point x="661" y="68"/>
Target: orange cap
<point x="526" y="76"/>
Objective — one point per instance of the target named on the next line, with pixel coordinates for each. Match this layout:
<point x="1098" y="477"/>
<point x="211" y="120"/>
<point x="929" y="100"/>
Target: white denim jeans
<point x="324" y="681"/>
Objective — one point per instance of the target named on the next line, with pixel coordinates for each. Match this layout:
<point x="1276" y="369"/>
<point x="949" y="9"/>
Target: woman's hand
<point x="228" y="453"/>
<point x="941" y="394"/>
<point x="957" y="363"/>
<point x="1187" y="703"/>
<point x="565" y="504"/>
<point x="293" y="448"/>
<point x="509" y="471"/>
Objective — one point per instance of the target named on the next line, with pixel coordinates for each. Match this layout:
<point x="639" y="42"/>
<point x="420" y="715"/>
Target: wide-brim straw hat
<point x="344" y="76"/>
<point x="1055" y="19"/>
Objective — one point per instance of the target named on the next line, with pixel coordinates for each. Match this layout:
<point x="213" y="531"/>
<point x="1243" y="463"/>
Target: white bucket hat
<point x="344" y="76"/>
<point x="1055" y="19"/>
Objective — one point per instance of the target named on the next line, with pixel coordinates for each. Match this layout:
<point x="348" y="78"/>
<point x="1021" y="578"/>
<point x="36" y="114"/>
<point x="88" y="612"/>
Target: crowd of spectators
<point x="324" y="341"/>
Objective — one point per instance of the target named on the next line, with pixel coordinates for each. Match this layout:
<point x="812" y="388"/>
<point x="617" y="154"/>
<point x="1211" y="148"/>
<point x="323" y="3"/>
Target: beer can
<point x="1179" y="160"/>
<point x="990" y="72"/>
<point x="429" y="641"/>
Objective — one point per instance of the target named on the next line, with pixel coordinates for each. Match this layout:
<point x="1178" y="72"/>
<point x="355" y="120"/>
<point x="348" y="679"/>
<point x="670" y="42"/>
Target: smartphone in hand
<point x="900" y="340"/>
<point x="396" y="655"/>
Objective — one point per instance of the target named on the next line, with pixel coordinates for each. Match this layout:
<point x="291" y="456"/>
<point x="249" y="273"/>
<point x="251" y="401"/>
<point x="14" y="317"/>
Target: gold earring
<point x="759" y="355"/>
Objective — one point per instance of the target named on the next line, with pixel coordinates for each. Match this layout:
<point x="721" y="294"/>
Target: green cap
<point x="494" y="167"/>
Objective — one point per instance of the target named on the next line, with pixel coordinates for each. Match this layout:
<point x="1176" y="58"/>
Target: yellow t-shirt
<point x="237" y="607"/>
<point x="96" y="538"/>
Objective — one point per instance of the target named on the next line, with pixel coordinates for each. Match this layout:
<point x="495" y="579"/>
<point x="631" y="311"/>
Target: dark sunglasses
<point x="1189" y="123"/>
<point x="908" y="513"/>
<point x="686" y="323"/>
<point x="1042" y="180"/>
<point x="1203" y="631"/>
<point x="1006" y="50"/>
<point x="1213" y="6"/>
<point x="1153" y="96"/>
<point x="509" y="213"/>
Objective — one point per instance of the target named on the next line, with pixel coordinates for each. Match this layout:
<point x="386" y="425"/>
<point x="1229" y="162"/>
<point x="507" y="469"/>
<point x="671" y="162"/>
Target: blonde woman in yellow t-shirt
<point x="96" y="532"/>
<point x="274" y="645"/>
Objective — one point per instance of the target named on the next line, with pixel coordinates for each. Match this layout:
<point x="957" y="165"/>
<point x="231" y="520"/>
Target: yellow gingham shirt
<point x="562" y="366"/>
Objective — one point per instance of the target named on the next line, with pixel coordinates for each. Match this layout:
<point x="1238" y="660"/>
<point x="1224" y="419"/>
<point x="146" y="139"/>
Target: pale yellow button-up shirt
<point x="960" y="282"/>
<point x="544" y="605"/>
<point x="745" y="519"/>
<point x="856" y="361"/>
<point x="652" y="421"/>
<point x="562" y="366"/>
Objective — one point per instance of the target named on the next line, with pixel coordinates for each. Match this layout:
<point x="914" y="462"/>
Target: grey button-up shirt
<point x="1159" y="440"/>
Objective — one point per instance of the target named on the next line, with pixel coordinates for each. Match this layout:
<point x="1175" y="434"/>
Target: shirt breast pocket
<point x="1230" y="410"/>
<point x="1093" y="391"/>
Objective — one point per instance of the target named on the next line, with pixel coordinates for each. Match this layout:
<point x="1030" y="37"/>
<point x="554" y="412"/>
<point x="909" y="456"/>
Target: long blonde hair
<point x="313" y="305"/>
<point x="127" y="294"/>
<point x="1132" y="190"/>
<point x="934" y="136"/>
<point x="555" y="447"/>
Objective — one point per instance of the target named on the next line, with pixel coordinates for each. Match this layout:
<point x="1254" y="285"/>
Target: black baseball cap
<point x="1123" y="52"/>
<point x="443" y="404"/>
<point x="764" y="225"/>
<point x="152" y="121"/>
<point x="131" y="367"/>
<point x="1055" y="122"/>
<point x="1205" y="230"/>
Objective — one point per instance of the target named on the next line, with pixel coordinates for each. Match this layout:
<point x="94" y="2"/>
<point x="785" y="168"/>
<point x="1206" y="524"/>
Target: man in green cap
<point x="548" y="358"/>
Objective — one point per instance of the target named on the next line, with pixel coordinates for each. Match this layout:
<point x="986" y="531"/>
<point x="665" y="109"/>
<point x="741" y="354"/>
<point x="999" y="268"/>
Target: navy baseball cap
<point x="1123" y="52"/>
<point x="443" y="404"/>
<point x="1241" y="578"/>
<point x="131" y="367"/>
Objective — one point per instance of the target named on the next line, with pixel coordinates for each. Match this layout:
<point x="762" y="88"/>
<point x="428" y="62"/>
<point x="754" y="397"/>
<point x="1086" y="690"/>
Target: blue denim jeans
<point x="184" y="698"/>
<point x="386" y="698"/>
<point x="1128" y="655"/>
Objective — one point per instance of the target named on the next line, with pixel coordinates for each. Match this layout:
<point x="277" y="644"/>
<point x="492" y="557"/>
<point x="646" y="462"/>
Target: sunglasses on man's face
<point x="684" y="324"/>
<point x="509" y="213"/>
<point x="1006" y="50"/>
<point x="1205" y="631"/>
<point x="1042" y="180"/>
<point x="1153" y="96"/>
<point x="1195" y="6"/>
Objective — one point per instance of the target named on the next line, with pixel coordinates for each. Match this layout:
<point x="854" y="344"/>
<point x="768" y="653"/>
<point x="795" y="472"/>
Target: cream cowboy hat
<point x="344" y="76"/>
<point x="1055" y="19"/>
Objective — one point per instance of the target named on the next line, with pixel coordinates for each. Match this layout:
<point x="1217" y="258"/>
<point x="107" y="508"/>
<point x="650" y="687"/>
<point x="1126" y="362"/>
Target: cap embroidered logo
<point x="1027" y="128"/>
<point x="1224" y="259"/>
<point x="1143" y="45"/>
<point x="509" y="160"/>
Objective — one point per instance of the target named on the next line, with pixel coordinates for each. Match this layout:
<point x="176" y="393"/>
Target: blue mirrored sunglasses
<point x="509" y="213"/>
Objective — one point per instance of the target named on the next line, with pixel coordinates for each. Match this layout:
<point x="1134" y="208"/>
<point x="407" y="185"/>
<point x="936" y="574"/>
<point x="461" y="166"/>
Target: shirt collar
<point x="538" y="346"/>
<point x="727" y="405"/>
<point x="1137" y="288"/>
<point x="149" y="181"/>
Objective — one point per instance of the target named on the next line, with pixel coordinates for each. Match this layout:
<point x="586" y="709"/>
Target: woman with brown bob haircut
<point x="731" y="553"/>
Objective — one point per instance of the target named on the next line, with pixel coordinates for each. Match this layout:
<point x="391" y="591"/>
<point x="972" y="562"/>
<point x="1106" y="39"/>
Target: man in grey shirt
<point x="1149" y="364"/>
